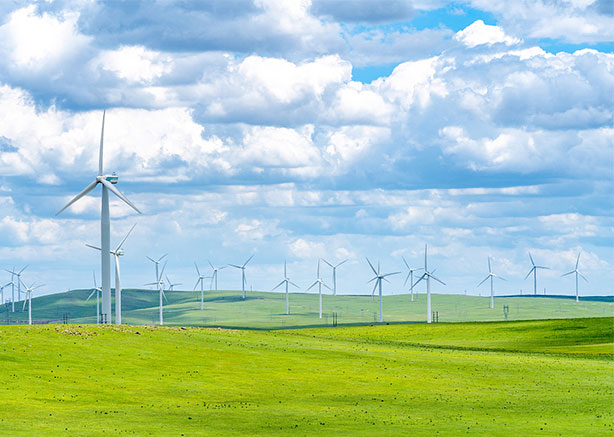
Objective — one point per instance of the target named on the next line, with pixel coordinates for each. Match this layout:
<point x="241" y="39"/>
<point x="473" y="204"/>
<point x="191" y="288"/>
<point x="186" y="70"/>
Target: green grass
<point x="267" y="310"/>
<point x="551" y="377"/>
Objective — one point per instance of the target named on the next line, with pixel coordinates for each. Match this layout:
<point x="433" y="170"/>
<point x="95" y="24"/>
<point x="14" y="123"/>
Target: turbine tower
<point x="410" y="276"/>
<point x="242" y="273"/>
<point x="577" y="274"/>
<point x="378" y="278"/>
<point x="334" y="267"/>
<point x="108" y="184"/>
<point x="96" y="290"/>
<point x="214" y="277"/>
<point x="200" y="279"/>
<point x="160" y="284"/>
<point x="19" y="282"/>
<point x="491" y="276"/>
<point x="319" y="282"/>
<point x="534" y="271"/>
<point x="28" y="299"/>
<point x="118" y="283"/>
<point x="427" y="276"/>
<point x="287" y="281"/>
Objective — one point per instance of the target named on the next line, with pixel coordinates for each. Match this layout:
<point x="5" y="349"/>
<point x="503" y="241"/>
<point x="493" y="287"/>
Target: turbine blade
<point x="93" y="247"/>
<point x="530" y="271"/>
<point x="328" y="263"/>
<point x="441" y="282"/>
<point x="151" y="259"/>
<point x="115" y="191"/>
<point x="371" y="265"/>
<point x="420" y="279"/>
<point x="312" y="285"/>
<point x="162" y="257"/>
<point x="162" y="272"/>
<point x="164" y="295"/>
<point x="375" y="286"/>
<point x="569" y="273"/>
<point x="278" y="285"/>
<point x="101" y="145"/>
<point x="248" y="260"/>
<point x="25" y="267"/>
<point x="91" y="294"/>
<point x="235" y="266"/>
<point x="532" y="262"/>
<point x="86" y="190"/>
<point x="582" y="276"/>
<point x="405" y="261"/>
<point x="197" y="271"/>
<point x="406" y="279"/>
<point x="390" y="274"/>
<point x="578" y="260"/>
<point x="196" y="285"/>
<point x="489" y="269"/>
<point x="484" y="280"/>
<point x="292" y="283"/>
<point x="124" y="240"/>
<point x="342" y="262"/>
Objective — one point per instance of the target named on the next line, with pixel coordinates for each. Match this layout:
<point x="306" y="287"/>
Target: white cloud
<point x="479" y="33"/>
<point x="307" y="249"/>
<point x="134" y="63"/>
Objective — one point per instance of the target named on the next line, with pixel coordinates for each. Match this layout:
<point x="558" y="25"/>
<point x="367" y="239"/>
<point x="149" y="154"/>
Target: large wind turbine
<point x="534" y="271"/>
<point x="319" y="283"/>
<point x="410" y="276"/>
<point x="28" y="299"/>
<point x="378" y="278"/>
<point x="107" y="182"/>
<point x="491" y="276"/>
<point x="118" y="283"/>
<point x="577" y="273"/>
<point x="200" y="279"/>
<point x="160" y="284"/>
<point x="242" y="273"/>
<point x="13" y="274"/>
<point x="288" y="281"/>
<point x="334" y="267"/>
<point x="96" y="290"/>
<point x="427" y="276"/>
<point x="214" y="277"/>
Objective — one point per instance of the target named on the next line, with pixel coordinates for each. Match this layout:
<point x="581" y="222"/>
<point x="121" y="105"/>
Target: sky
<point x="299" y="130"/>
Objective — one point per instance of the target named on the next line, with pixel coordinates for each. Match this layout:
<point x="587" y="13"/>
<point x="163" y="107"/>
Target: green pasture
<point x="266" y="310"/>
<point x="550" y="377"/>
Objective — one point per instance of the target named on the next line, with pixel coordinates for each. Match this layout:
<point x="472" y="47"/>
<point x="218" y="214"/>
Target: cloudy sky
<point x="303" y="129"/>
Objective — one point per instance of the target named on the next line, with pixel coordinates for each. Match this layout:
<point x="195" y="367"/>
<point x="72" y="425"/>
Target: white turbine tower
<point x="534" y="271"/>
<point x="28" y="299"/>
<point x="410" y="276"/>
<point x="334" y="267"/>
<point x="577" y="274"/>
<point x="160" y="284"/>
<point x="201" y="279"/>
<point x="491" y="276"/>
<point x="118" y="282"/>
<point x="427" y="276"/>
<point x="13" y="274"/>
<point x="96" y="290"/>
<point x="171" y="285"/>
<point x="378" y="278"/>
<point x="214" y="277"/>
<point x="319" y="282"/>
<point x="286" y="281"/>
<point x="107" y="182"/>
<point x="242" y="273"/>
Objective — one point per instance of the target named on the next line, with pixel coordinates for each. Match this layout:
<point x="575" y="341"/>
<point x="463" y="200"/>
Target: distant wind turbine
<point x="427" y="276"/>
<point x="108" y="184"/>
<point x="286" y="281"/>
<point x="410" y="276"/>
<point x="160" y="284"/>
<point x="96" y="290"/>
<point x="171" y="285"/>
<point x="577" y="272"/>
<point x="201" y="279"/>
<point x="28" y="299"/>
<point x="378" y="278"/>
<point x="2" y="291"/>
<point x="491" y="276"/>
<point x="242" y="273"/>
<point x="334" y="267"/>
<point x="19" y="282"/>
<point x="319" y="282"/>
<point x="534" y="271"/>
<point x="214" y="277"/>
<point x="118" y="282"/>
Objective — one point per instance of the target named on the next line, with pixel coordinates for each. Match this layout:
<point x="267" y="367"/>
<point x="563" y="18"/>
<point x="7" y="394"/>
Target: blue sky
<point x="305" y="129"/>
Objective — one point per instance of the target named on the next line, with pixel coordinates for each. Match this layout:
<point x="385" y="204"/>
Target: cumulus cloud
<point x="479" y="33"/>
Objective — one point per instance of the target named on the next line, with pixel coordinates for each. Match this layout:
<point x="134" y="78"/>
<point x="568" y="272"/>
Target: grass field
<point x="551" y="377"/>
<point x="267" y="310"/>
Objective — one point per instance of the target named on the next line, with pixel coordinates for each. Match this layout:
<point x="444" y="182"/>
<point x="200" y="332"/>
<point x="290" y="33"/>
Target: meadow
<point x="551" y="377"/>
<point x="266" y="310"/>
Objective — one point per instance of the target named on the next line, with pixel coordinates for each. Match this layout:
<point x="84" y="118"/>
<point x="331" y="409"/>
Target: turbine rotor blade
<point x="441" y="282"/>
<point x="328" y="263"/>
<point x="124" y="240"/>
<point x="101" y="145"/>
<point x="115" y="191"/>
<point x="278" y="285"/>
<point x="197" y="271"/>
<point x="93" y="247"/>
<point x="582" y="276"/>
<point x="91" y="294"/>
<point x="371" y="265"/>
<point x="312" y="285"/>
<point x="86" y="190"/>
<point x="292" y="283"/>
<point x="248" y="260"/>
<point x="569" y="273"/>
<point x="484" y="280"/>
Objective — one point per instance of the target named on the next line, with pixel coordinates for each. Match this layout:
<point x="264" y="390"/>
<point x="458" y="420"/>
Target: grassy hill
<point x="553" y="377"/>
<point x="267" y="310"/>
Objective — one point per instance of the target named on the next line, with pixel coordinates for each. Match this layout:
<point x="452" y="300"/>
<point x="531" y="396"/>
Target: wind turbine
<point x="214" y="277"/>
<point x="577" y="273"/>
<point x="96" y="290"/>
<point x="378" y="278"/>
<point x="107" y="182"/>
<point x="427" y="276"/>
<point x="118" y="283"/>
<point x="160" y="283"/>
<point x="410" y="276"/>
<point x="200" y="279"/>
<point x="28" y="299"/>
<point x="491" y="275"/>
<point x="2" y="292"/>
<point x="242" y="273"/>
<point x="171" y="285"/>
<point x="334" y="267"/>
<point x="19" y="282"/>
<point x="288" y="281"/>
<point x="534" y="271"/>
<point x="319" y="282"/>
